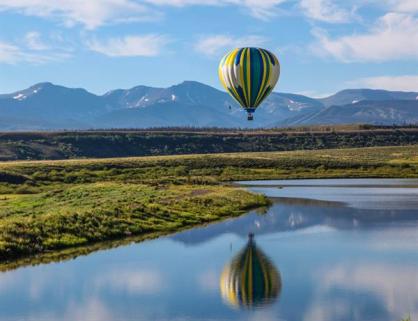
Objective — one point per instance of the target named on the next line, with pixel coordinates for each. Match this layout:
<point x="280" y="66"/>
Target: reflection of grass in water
<point x="71" y="253"/>
<point x="51" y="205"/>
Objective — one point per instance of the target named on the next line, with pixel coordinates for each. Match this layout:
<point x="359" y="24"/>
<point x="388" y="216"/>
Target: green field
<point x="47" y="206"/>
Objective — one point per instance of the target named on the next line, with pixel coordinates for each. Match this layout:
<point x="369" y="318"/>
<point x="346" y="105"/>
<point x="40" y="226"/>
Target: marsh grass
<point x="53" y="205"/>
<point x="85" y="213"/>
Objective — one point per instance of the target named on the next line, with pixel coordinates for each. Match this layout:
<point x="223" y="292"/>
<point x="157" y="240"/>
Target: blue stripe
<point x="256" y="75"/>
<point x="238" y="57"/>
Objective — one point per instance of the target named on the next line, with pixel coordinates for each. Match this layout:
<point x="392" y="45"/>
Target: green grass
<point x="46" y="206"/>
<point x="85" y="213"/>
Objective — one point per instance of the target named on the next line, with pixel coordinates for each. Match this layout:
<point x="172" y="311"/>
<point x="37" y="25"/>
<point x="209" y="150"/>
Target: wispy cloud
<point x="133" y="281"/>
<point x="31" y="49"/>
<point x="91" y="14"/>
<point x="397" y="294"/>
<point x="394" y="36"/>
<point x="34" y="42"/>
<point x="130" y="46"/>
<point x="261" y="9"/>
<point x="216" y="45"/>
<point x="9" y="53"/>
<point x="325" y="10"/>
<point x="406" y="6"/>
<point x="95" y="13"/>
<point x="401" y="83"/>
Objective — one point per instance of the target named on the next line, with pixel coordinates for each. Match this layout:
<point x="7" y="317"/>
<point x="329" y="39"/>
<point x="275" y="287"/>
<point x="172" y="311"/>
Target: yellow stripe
<point x="263" y="82"/>
<point x="231" y="60"/>
<point x="241" y="75"/>
<point x="221" y="77"/>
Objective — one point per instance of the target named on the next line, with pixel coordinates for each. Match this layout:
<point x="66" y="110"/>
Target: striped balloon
<point x="249" y="75"/>
<point x="250" y="279"/>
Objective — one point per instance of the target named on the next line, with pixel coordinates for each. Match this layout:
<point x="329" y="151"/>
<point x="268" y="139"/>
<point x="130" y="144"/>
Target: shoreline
<point x="71" y="253"/>
<point x="66" y="205"/>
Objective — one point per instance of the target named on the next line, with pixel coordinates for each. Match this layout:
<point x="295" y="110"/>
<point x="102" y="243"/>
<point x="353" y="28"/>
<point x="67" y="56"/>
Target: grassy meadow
<point x="46" y="206"/>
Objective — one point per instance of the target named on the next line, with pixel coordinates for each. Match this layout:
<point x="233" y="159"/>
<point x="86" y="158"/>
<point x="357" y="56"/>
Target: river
<point x="326" y="250"/>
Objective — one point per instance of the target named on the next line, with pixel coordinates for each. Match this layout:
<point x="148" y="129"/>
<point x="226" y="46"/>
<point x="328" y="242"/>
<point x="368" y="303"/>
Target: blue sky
<point x="323" y="45"/>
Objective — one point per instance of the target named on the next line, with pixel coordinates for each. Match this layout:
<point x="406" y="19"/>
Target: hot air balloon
<point x="250" y="279"/>
<point x="249" y="75"/>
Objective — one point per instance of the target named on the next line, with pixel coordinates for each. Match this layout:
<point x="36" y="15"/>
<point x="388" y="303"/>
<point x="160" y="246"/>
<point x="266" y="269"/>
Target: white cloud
<point x="261" y="9"/>
<point x="92" y="309"/>
<point x="95" y="13"/>
<point x="393" y="286"/>
<point x="217" y="44"/>
<point x="208" y="280"/>
<point x="89" y="308"/>
<point x="401" y="83"/>
<point x="11" y="53"/>
<point x="130" y="46"/>
<point x="34" y="42"/>
<point x="314" y="94"/>
<point x="394" y="36"/>
<point x="31" y="48"/>
<point x="91" y="13"/>
<point x="406" y="6"/>
<point x="132" y="281"/>
<point x="325" y="10"/>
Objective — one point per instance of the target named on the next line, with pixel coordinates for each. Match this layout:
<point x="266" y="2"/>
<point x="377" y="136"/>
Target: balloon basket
<point x="250" y="117"/>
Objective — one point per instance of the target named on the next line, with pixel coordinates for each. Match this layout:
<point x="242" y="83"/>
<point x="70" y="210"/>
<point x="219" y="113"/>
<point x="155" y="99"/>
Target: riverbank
<point x="53" y="205"/>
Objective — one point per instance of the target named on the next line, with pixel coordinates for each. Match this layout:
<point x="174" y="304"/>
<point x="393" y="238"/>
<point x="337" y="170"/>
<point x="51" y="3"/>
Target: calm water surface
<point x="326" y="250"/>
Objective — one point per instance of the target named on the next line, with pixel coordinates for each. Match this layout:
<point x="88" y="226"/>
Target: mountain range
<point x="46" y="106"/>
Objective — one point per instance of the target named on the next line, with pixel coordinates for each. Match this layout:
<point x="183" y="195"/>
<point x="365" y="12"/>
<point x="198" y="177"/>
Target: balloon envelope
<point x="250" y="279"/>
<point x="249" y="75"/>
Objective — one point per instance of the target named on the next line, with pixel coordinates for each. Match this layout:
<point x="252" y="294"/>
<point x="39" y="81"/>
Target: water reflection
<point x="338" y="263"/>
<point x="250" y="279"/>
<point x="287" y="214"/>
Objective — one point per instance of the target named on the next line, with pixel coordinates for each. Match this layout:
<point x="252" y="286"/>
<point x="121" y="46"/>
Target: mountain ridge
<point x="46" y="106"/>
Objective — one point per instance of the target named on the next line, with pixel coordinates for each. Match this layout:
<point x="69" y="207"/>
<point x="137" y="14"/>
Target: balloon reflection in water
<point x="250" y="279"/>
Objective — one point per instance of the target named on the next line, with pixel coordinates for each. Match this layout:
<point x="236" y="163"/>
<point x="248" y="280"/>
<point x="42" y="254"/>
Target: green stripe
<point x="243" y="68"/>
<point x="266" y="79"/>
<point x="256" y="74"/>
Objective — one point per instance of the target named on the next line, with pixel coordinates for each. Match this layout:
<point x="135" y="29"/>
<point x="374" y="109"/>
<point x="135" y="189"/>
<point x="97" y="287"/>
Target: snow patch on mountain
<point x="19" y="96"/>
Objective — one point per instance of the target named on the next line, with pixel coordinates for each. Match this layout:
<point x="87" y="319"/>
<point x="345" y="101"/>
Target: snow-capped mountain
<point x="46" y="106"/>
